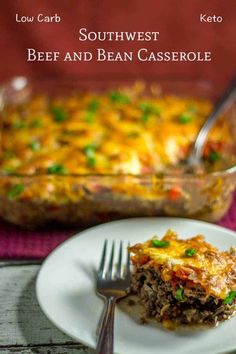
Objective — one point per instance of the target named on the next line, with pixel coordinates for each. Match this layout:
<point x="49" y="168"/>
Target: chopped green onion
<point x="15" y="191"/>
<point x="190" y="252"/>
<point x="185" y="118"/>
<point x="149" y="108"/>
<point x="90" y="148"/>
<point x="91" y="113"/>
<point x="59" y="114"/>
<point x="19" y="124"/>
<point x="144" y="106"/>
<point x="229" y="298"/>
<point x="36" y="123"/>
<point x="57" y="169"/>
<point x="119" y="97"/>
<point x="89" y="116"/>
<point x="93" y="105"/>
<point x="91" y="161"/>
<point x="89" y="151"/>
<point x="34" y="145"/>
<point x="160" y="244"/>
<point x="145" y="117"/>
<point x="179" y="294"/>
<point x="214" y="156"/>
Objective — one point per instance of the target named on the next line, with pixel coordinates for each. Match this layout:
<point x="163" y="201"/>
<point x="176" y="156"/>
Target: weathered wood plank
<point x="62" y="349"/>
<point x="19" y="263"/>
<point x="22" y="323"/>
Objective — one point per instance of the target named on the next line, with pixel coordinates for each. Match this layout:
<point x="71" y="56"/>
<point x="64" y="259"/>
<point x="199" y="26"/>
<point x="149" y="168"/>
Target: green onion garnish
<point x="91" y="161"/>
<point x="57" y="169"/>
<point x="179" y="294"/>
<point x="90" y="148"/>
<point x="149" y="108"/>
<point x="91" y="112"/>
<point x="34" y="145"/>
<point x="15" y="191"/>
<point x="36" y="123"/>
<point x="145" y="117"/>
<point x="89" y="151"/>
<point x="89" y="116"/>
<point x="185" y="118"/>
<point x="59" y="114"/>
<point x="119" y="97"/>
<point x="93" y="105"/>
<point x="229" y="298"/>
<point x="144" y="106"/>
<point x="214" y="156"/>
<point x="160" y="244"/>
<point x="190" y="252"/>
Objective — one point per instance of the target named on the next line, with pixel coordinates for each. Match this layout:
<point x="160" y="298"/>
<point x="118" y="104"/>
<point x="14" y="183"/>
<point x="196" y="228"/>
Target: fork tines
<point x="120" y="271"/>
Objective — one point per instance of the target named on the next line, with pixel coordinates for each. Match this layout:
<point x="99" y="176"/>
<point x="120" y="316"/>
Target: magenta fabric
<point x="229" y="220"/>
<point x="177" y="21"/>
<point x="18" y="244"/>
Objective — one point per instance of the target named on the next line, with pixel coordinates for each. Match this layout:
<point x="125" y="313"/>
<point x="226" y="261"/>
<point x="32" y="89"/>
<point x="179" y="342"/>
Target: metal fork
<point x="111" y="287"/>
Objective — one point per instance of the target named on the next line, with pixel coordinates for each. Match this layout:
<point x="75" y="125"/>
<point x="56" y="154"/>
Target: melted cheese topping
<point x="210" y="268"/>
<point x="121" y="132"/>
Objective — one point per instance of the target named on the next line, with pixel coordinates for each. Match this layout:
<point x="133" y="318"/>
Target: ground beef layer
<point x="160" y="302"/>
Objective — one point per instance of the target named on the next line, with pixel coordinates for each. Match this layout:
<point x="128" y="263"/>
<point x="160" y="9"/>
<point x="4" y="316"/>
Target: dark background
<point x="176" y="20"/>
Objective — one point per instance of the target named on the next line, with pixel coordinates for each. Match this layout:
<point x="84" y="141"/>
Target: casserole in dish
<point x="75" y="152"/>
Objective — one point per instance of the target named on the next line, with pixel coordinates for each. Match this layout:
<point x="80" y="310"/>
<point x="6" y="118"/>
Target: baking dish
<point x="92" y="198"/>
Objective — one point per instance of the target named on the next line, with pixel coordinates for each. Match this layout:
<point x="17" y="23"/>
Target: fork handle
<point x="106" y="330"/>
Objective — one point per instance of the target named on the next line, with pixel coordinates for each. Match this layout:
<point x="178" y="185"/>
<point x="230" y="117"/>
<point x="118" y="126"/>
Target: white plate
<point x="65" y="290"/>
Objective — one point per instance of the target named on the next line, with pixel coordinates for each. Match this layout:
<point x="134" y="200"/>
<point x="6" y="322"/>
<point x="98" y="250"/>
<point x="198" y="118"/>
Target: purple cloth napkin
<point x="16" y="243"/>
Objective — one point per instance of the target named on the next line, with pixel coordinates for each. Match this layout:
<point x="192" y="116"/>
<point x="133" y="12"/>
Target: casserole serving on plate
<point x="184" y="282"/>
<point x="75" y="151"/>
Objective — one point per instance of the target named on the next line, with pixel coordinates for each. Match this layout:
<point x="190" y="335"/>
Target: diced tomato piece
<point x="182" y="273"/>
<point x="174" y="193"/>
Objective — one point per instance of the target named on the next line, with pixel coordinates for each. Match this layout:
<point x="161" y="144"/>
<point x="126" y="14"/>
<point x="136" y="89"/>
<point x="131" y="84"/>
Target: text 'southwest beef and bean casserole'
<point x="90" y="155"/>
<point x="184" y="281"/>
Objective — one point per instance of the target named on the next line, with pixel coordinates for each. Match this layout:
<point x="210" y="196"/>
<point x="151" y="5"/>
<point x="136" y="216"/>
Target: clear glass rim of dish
<point x="23" y="81"/>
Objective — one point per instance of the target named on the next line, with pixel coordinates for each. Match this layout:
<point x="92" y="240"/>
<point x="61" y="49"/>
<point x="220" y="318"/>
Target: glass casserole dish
<point x="35" y="197"/>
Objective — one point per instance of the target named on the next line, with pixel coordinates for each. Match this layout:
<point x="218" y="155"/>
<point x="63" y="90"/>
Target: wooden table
<point x="24" y="329"/>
